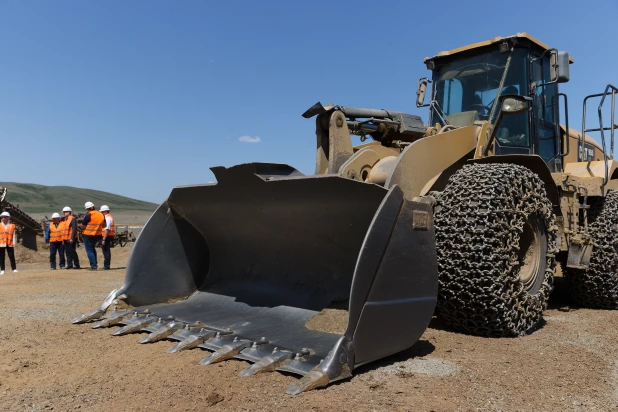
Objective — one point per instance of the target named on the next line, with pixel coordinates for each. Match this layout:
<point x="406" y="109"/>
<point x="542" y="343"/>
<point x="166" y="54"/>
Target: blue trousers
<point x="56" y="247"/>
<point x="72" y="258"/>
<point x="89" y="242"/>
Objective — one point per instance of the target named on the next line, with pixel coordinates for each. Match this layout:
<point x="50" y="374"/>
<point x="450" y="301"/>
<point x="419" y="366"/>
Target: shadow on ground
<point x="560" y="298"/>
<point x="420" y="349"/>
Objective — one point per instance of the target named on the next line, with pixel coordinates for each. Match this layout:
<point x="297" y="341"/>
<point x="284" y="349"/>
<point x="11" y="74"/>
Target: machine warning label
<point x="420" y="220"/>
<point x="585" y="153"/>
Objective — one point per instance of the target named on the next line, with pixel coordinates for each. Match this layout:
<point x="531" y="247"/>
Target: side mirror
<point x="420" y="91"/>
<point x="559" y="67"/>
<point x="513" y="104"/>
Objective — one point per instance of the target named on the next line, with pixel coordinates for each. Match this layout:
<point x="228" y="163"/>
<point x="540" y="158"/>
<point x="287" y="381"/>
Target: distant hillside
<point x="33" y="198"/>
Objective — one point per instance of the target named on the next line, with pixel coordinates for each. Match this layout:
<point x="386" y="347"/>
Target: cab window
<point x="544" y="109"/>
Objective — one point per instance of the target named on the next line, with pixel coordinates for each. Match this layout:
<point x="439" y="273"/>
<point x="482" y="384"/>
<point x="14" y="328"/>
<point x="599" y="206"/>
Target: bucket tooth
<point x="192" y="341"/>
<point x="268" y="363"/>
<point x="162" y="333"/>
<point x="154" y="326"/>
<point x="97" y="313"/>
<point x="187" y="330"/>
<point x="312" y="380"/>
<point x="112" y="318"/>
<point x="134" y="325"/>
<point x="227" y="351"/>
<point x="182" y="333"/>
<point x="89" y="317"/>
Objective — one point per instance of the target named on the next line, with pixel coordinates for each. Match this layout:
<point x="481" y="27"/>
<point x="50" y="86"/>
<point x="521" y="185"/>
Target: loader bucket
<point x="239" y="267"/>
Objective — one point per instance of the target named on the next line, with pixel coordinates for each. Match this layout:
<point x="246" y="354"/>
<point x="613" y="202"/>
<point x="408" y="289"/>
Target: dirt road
<point x="46" y="363"/>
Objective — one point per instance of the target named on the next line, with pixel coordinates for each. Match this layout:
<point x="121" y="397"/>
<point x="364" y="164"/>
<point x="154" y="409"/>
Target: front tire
<point x="496" y="244"/>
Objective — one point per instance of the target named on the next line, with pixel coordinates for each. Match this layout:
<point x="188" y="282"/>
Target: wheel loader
<point x="465" y="216"/>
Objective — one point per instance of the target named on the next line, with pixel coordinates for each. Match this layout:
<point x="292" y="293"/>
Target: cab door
<point x="544" y="116"/>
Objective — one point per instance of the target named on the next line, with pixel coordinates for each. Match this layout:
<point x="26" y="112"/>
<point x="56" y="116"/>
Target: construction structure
<point x="469" y="214"/>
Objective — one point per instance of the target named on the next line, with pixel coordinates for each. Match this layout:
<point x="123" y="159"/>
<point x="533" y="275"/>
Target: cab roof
<point x="490" y="42"/>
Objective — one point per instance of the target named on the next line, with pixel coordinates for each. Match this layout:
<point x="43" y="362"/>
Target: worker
<point x="7" y="241"/>
<point x="108" y="236"/>
<point x="92" y="231"/>
<point x="70" y="238"/>
<point x="54" y="238"/>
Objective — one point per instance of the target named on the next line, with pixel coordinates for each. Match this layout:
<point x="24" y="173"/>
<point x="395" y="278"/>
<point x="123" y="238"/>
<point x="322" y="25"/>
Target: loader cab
<point x="468" y="83"/>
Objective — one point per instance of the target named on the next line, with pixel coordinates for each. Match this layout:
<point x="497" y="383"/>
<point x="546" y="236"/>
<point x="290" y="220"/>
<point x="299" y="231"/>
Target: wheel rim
<point x="529" y="254"/>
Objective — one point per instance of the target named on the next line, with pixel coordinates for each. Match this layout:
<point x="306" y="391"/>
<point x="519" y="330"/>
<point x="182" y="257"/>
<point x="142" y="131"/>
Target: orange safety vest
<point x="56" y="233"/>
<point x="95" y="226"/>
<point x="68" y="233"/>
<point x="7" y="234"/>
<point x="111" y="227"/>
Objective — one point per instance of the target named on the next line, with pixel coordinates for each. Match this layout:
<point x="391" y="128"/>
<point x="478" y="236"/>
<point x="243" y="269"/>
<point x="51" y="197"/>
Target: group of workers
<point x="62" y="236"/>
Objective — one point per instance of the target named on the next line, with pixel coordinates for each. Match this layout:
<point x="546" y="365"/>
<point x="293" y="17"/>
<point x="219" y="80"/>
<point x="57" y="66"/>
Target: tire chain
<point x="597" y="287"/>
<point x="479" y="220"/>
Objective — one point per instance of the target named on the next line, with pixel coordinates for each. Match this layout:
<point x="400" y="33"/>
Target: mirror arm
<point x="548" y="51"/>
<point x="543" y="54"/>
<point x="492" y="137"/>
<point x="501" y="85"/>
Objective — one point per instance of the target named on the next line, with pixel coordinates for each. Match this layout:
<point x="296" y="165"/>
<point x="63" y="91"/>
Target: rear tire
<point x="496" y="244"/>
<point x="597" y="286"/>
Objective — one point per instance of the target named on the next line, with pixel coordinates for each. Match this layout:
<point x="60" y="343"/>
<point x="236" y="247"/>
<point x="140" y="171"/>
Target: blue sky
<point x="136" y="97"/>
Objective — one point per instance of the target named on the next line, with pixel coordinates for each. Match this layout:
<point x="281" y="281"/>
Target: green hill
<point x="33" y="198"/>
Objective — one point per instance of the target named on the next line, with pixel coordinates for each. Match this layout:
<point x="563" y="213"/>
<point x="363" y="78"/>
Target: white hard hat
<point x="5" y="214"/>
<point x="66" y="209"/>
<point x="104" y="208"/>
<point x="88" y="205"/>
<point x="56" y="215"/>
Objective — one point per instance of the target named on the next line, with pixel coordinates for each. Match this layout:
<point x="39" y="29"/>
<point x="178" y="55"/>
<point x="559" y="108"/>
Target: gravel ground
<point x="46" y="363"/>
